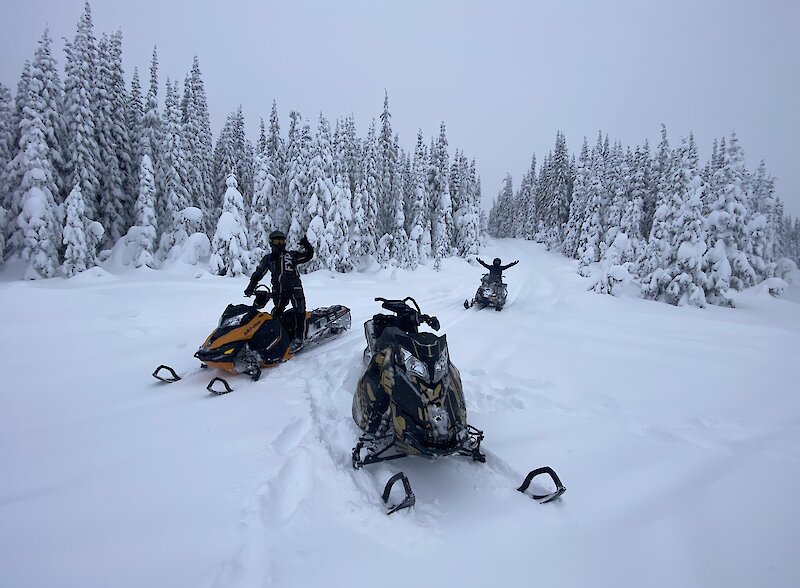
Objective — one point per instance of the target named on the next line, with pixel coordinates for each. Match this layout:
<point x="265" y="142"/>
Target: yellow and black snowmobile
<point x="247" y="339"/>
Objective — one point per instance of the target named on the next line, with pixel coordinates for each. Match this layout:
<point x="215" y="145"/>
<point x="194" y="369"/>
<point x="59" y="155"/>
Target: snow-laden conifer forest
<point x="96" y="170"/>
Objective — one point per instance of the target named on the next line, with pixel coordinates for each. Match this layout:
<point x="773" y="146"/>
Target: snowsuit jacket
<point x="283" y="270"/>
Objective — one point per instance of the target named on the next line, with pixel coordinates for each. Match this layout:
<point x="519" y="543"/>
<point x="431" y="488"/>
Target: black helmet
<point x="277" y="240"/>
<point x="496" y="261"/>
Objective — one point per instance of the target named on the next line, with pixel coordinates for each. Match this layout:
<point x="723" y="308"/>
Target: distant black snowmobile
<point x="409" y="400"/>
<point x="491" y="292"/>
<point x="247" y="339"/>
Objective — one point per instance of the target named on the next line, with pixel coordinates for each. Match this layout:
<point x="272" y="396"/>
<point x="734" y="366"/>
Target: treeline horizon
<point x="687" y="232"/>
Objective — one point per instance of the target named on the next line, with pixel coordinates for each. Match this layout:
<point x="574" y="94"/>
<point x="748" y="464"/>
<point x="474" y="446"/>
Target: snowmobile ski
<point x="171" y="378"/>
<point x="409" y="499"/>
<point x="226" y="388"/>
<point x="548" y="497"/>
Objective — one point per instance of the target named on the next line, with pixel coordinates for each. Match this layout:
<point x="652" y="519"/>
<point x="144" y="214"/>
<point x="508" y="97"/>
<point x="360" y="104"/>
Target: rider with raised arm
<point x="286" y="285"/>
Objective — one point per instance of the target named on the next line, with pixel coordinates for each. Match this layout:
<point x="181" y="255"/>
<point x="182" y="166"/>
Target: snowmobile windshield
<point x="235" y="315"/>
<point x="232" y="321"/>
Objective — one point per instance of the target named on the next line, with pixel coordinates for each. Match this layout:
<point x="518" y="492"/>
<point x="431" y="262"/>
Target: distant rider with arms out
<point x="496" y="270"/>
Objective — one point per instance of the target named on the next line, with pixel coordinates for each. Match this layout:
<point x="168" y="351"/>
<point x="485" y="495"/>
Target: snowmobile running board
<point x="173" y="377"/>
<point x="226" y="387"/>
<point x="543" y="498"/>
<point x="409" y="499"/>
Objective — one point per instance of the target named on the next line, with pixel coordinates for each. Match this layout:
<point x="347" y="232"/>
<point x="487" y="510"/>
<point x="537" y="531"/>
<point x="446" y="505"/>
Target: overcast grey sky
<point x="504" y="76"/>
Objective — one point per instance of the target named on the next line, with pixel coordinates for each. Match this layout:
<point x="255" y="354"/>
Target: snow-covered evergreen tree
<point x="763" y="223"/>
<point x="592" y="231"/>
<point x="38" y="235"/>
<point x="677" y="244"/>
<point x="728" y="214"/>
<point x="35" y="229"/>
<point x="143" y="234"/>
<point x="80" y="108"/>
<point x="234" y="154"/>
<point x="556" y="214"/>
<point x="577" y="208"/>
<point x="172" y="173"/>
<point x="340" y="219"/>
<point x="399" y="250"/>
<point x="262" y="222"/>
<point x="500" y="218"/>
<point x="196" y="123"/>
<point x="76" y="253"/>
<point x="229" y="255"/>
<point x="299" y="180"/>
<point x="615" y="178"/>
<point x="134" y="114"/>
<point x="526" y="201"/>
<point x="115" y="207"/>
<point x="420" y="209"/>
<point x="44" y="70"/>
<point x="94" y="236"/>
<point x="276" y="155"/>
<point x="369" y="233"/>
<point x="6" y="136"/>
<point x="320" y="197"/>
<point x="386" y="171"/>
<point x="3" y="226"/>
<point x="439" y="197"/>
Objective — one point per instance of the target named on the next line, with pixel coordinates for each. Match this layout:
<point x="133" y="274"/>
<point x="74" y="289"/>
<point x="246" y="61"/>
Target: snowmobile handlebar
<point x="401" y="307"/>
<point x="262" y="296"/>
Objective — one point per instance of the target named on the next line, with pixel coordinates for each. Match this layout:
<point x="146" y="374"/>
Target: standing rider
<point x="286" y="285"/>
<point x="496" y="270"/>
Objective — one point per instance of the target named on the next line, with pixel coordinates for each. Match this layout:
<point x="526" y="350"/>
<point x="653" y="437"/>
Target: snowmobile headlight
<point x="232" y="321"/>
<point x="440" y="369"/>
<point x="413" y="365"/>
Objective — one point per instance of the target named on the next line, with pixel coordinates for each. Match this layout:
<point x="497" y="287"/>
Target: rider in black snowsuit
<point x="496" y="270"/>
<point x="286" y="285"/>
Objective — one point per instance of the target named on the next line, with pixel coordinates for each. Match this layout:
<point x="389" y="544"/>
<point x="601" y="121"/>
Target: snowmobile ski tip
<point x="226" y="387"/>
<point x="543" y="498"/>
<point x="173" y="377"/>
<point x="409" y="499"/>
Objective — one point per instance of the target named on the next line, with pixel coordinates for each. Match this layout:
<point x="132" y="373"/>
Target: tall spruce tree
<point x="80" y="95"/>
<point x="439" y="197"/>
<point x="38" y="236"/>
<point x="320" y="197"/>
<point x="115" y="206"/>
<point x="728" y="214"/>
<point x="172" y="171"/>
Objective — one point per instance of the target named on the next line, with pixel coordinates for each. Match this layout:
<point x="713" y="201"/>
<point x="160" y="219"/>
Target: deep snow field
<point x="675" y="430"/>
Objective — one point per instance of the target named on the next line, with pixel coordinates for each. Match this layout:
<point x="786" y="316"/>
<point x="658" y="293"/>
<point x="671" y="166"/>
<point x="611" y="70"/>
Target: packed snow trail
<point x="667" y="425"/>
